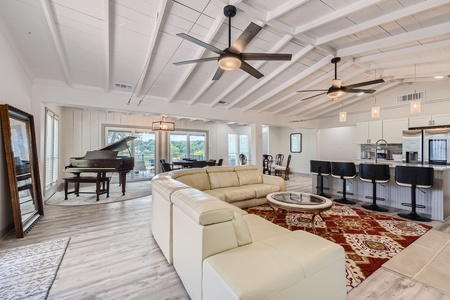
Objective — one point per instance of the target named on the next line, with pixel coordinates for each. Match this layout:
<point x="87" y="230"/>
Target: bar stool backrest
<point x="374" y="173"/>
<point x="319" y="167"/>
<point x="343" y="170"/>
<point x="420" y="177"/>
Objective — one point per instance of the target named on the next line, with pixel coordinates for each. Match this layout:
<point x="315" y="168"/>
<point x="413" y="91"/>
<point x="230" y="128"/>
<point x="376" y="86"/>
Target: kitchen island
<point x="435" y="199"/>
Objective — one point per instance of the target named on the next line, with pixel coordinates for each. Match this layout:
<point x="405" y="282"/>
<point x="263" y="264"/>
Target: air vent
<point x="411" y="97"/>
<point x="123" y="86"/>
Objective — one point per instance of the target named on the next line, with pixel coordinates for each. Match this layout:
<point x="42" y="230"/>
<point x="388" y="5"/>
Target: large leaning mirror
<point x="296" y="142"/>
<point x="21" y="158"/>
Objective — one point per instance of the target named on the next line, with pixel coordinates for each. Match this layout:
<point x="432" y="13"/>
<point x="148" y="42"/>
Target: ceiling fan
<point x="232" y="57"/>
<point x="337" y="90"/>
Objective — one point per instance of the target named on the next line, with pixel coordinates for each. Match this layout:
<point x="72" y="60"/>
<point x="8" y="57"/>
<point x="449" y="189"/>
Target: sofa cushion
<point x="235" y="194"/>
<point x="252" y="176"/>
<point x="262" y="190"/>
<point x="255" y="271"/>
<point x="241" y="230"/>
<point x="219" y="180"/>
<point x="202" y="208"/>
<point x="217" y="193"/>
<point x="261" y="229"/>
<point x="196" y="178"/>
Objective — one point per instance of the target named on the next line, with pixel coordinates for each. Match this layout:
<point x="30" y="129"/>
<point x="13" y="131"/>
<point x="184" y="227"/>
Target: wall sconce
<point x="163" y="125"/>
<point x="415" y="106"/>
<point x="342" y="116"/>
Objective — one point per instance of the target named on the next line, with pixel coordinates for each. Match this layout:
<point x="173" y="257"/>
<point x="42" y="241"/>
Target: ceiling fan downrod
<point x="335" y="61"/>
<point x="229" y="11"/>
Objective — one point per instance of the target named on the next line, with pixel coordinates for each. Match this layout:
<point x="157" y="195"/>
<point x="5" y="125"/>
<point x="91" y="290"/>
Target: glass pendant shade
<point x="375" y="112"/>
<point x="415" y="107"/>
<point x="342" y="116"/>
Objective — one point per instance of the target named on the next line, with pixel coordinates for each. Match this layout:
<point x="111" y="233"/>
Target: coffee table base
<point x="313" y="218"/>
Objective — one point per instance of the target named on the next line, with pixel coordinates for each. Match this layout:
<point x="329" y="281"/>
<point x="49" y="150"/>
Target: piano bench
<point x="100" y="183"/>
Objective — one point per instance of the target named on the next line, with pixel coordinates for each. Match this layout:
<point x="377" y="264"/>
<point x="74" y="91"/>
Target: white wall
<point x="337" y="144"/>
<point x="15" y="90"/>
<point x="279" y="142"/>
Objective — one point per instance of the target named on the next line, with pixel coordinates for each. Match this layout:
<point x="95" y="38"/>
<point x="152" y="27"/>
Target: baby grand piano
<point x="105" y="160"/>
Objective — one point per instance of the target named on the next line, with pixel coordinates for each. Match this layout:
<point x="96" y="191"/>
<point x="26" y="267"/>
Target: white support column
<point x="256" y="145"/>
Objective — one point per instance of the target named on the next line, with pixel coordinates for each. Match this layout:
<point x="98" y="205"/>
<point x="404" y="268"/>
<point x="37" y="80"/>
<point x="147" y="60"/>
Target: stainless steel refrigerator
<point x="412" y="146"/>
<point x="436" y="148"/>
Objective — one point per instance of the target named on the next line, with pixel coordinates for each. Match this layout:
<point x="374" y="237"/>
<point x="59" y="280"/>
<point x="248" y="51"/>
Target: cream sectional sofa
<point x="243" y="186"/>
<point x="222" y="252"/>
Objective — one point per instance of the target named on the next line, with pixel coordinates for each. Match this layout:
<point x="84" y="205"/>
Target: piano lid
<point x="120" y="144"/>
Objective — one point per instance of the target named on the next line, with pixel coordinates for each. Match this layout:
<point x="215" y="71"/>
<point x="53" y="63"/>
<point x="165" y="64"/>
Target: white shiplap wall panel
<point x="77" y="133"/>
<point x="86" y="131"/>
<point x="95" y="130"/>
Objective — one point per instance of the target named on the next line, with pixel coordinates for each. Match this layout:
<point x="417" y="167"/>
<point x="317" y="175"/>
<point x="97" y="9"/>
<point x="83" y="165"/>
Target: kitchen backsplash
<point x="368" y="150"/>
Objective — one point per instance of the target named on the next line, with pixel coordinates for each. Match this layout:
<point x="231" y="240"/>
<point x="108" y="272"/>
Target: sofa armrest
<point x="274" y="180"/>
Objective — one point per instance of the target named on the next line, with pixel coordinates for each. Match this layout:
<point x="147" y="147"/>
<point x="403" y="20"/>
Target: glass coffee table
<point x="299" y="202"/>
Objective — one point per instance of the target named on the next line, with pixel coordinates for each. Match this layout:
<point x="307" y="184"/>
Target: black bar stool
<point x="320" y="169"/>
<point x="414" y="177"/>
<point x="344" y="171"/>
<point x="374" y="174"/>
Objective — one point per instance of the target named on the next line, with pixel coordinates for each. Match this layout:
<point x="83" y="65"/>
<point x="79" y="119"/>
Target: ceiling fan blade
<point x="185" y="62"/>
<point x="266" y="56"/>
<point x="312" y="91"/>
<point x="313" y="96"/>
<point x="245" y="38"/>
<point x="359" y="91"/>
<point x="365" y="83"/>
<point x="250" y="70"/>
<point x="200" y="43"/>
<point x="218" y="74"/>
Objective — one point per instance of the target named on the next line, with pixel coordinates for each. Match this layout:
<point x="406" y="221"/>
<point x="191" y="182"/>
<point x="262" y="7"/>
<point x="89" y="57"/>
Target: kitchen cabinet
<point x="369" y="132"/>
<point x="392" y="130"/>
<point x="426" y="121"/>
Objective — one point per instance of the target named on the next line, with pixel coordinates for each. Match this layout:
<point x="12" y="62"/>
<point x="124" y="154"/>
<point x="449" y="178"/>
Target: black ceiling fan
<point x="232" y="57"/>
<point x="337" y="90"/>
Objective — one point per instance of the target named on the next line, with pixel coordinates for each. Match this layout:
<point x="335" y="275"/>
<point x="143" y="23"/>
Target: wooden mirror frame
<point x="33" y="184"/>
<point x="296" y="142"/>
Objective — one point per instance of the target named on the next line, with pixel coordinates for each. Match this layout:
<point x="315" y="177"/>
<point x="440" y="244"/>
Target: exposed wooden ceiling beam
<point x="57" y="41"/>
<point x="284" y="8"/>
<point x="338" y="14"/>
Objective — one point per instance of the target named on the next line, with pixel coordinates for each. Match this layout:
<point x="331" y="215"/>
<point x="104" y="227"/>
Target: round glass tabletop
<point x="298" y="198"/>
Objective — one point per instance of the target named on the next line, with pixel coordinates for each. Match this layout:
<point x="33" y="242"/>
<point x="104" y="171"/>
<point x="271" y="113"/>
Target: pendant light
<point x="163" y="125"/>
<point x="342" y="114"/>
<point x="375" y="110"/>
<point x="415" y="104"/>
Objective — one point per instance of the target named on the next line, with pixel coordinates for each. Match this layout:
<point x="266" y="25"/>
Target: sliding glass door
<point x="187" y="145"/>
<point x="142" y="149"/>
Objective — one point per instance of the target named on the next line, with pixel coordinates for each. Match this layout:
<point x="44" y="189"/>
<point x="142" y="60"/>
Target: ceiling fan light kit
<point x="229" y="62"/>
<point x="233" y="58"/>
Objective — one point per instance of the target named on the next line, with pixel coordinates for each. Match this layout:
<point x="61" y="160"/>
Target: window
<point x="142" y="149"/>
<point x="237" y="144"/>
<point x="51" y="149"/>
<point x="187" y="145"/>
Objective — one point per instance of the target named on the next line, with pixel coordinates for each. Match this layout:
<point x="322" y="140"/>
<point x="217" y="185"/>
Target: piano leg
<point x="123" y="181"/>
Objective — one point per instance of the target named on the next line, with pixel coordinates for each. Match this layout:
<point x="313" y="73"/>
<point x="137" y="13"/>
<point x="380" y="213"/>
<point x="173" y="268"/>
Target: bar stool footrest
<point x="370" y="197"/>
<point x="410" y="205"/>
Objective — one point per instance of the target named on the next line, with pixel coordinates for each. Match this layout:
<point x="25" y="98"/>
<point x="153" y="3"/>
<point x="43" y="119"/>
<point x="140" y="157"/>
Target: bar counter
<point x="436" y="199"/>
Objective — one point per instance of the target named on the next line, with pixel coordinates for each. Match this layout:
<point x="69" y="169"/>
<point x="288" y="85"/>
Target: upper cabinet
<point x="369" y="132"/>
<point x="392" y="130"/>
<point x="426" y="121"/>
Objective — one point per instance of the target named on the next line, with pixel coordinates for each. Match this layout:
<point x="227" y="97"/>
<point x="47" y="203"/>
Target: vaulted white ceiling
<point x="129" y="47"/>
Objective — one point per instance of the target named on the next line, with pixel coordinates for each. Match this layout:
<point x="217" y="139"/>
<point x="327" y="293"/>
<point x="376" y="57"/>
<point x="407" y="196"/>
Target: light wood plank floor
<point x="112" y="255"/>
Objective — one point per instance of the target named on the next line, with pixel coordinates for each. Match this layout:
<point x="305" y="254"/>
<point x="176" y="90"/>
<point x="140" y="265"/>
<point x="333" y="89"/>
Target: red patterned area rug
<point x="369" y="239"/>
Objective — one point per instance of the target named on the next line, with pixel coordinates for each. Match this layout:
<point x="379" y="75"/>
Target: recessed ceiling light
<point x="438" y="77"/>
